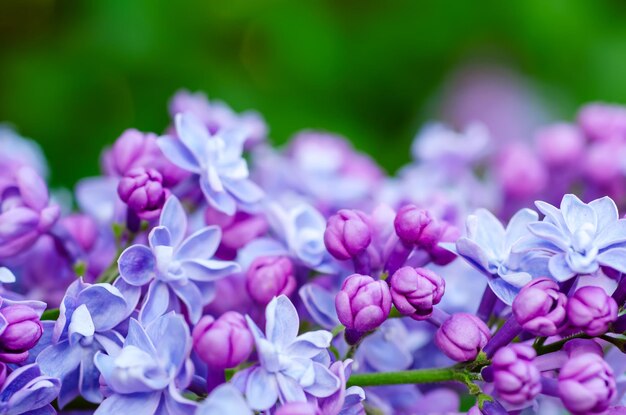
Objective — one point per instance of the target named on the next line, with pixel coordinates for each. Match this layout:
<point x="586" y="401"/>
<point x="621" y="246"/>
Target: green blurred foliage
<point x="75" y="74"/>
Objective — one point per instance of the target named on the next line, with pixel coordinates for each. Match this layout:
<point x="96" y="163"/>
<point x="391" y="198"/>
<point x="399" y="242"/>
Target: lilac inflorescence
<point x="207" y="273"/>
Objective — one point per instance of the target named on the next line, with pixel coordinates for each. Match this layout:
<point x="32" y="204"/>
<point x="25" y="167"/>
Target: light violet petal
<point x="174" y="218"/>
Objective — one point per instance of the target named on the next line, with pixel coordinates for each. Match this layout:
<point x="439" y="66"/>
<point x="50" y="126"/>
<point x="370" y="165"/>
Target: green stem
<point x="414" y="377"/>
<point x="558" y="345"/>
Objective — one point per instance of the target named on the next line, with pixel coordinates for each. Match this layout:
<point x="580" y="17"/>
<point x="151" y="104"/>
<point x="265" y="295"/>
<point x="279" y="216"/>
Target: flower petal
<point x="326" y="383"/>
<point x="261" y="389"/>
<point x="193" y="134"/>
<point x="170" y="334"/>
<point x="225" y="399"/>
<point x="190" y="295"/>
<point x="503" y="290"/>
<point x="606" y="212"/>
<point x="612" y="234"/>
<point x="246" y="191"/>
<point x="106" y="305"/>
<point x="320" y="304"/>
<point x="201" y="244"/>
<point x="220" y="200"/>
<point x="137" y="265"/>
<point x="559" y="268"/>
<point x="310" y="344"/>
<point x="289" y="390"/>
<point x="174" y="218"/>
<point x="576" y="213"/>
<point x="134" y="403"/>
<point x="89" y="378"/>
<point x="156" y="302"/>
<point x="209" y="269"/>
<point x="518" y="226"/>
<point x="282" y="322"/>
<point x="177" y="153"/>
<point x="614" y="258"/>
<point x="60" y="359"/>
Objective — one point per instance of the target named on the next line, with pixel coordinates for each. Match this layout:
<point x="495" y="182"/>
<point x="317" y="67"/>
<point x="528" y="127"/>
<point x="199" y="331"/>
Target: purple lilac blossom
<point x="27" y="391"/>
<point x="290" y="366"/>
<point x="540" y="308"/>
<point x="86" y="325"/>
<point x="147" y="374"/>
<point x="591" y="310"/>
<point x="25" y="212"/>
<point x="178" y="270"/>
<point x="490" y="248"/>
<point x="217" y="161"/>
<point x="580" y="237"/>
<point x="363" y="304"/>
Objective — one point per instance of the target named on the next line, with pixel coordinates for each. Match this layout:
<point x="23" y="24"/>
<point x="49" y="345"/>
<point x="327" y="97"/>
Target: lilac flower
<point x="488" y="247"/>
<point x="216" y="116"/>
<point x="25" y="212"/>
<point x="269" y="277"/>
<point x="580" y="237"/>
<point x="176" y="270"/>
<point x="346" y="401"/>
<point x="586" y="384"/>
<point x="224" y="342"/>
<point x="290" y="366"/>
<point x="86" y="325"/>
<point x="299" y="233"/>
<point x="462" y="336"/>
<point x="216" y="159"/>
<point x="516" y="378"/>
<point x="142" y="190"/>
<point x="146" y="375"/>
<point x="27" y="391"/>
<point x="20" y="328"/>
<point x="363" y="303"/>
<point x="540" y="308"/>
<point x="591" y="310"/>
<point x="225" y="399"/>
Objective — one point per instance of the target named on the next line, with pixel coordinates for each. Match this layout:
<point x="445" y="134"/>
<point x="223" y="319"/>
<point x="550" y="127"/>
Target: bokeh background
<point x="75" y="74"/>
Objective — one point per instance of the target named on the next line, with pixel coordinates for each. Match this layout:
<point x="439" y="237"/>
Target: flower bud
<point x="540" y="307"/>
<point x="591" y="310"/>
<point x="442" y="256"/>
<point x="417" y="226"/>
<point x="586" y="384"/>
<point x="602" y="121"/>
<point x="142" y="190"/>
<point x="520" y="172"/>
<point x="363" y="303"/>
<point x="347" y="234"/>
<point x="269" y="277"/>
<point x="415" y="291"/>
<point x="517" y="380"/>
<point x="462" y="336"/>
<point x="223" y="343"/>
<point x="21" y="332"/>
<point x="560" y="144"/>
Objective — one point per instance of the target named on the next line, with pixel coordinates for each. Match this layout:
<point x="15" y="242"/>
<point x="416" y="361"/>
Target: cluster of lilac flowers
<point x="205" y="272"/>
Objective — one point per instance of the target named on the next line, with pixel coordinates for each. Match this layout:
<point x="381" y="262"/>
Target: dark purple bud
<point x="439" y="255"/>
<point x="415" y="291"/>
<point x="516" y="378"/>
<point x="363" y="303"/>
<point x="21" y="332"/>
<point x="462" y="336"/>
<point x="142" y="190"/>
<point x="540" y="307"/>
<point x="269" y="277"/>
<point x="347" y="234"/>
<point x="417" y="226"/>
<point x="591" y="310"/>
<point x="223" y="343"/>
<point x="586" y="384"/>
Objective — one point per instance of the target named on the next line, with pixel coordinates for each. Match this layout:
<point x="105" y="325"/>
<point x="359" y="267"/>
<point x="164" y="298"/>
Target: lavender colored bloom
<point x="89" y="315"/>
<point x="489" y="247"/>
<point x="540" y="308"/>
<point x="580" y="237"/>
<point x="225" y="399"/>
<point x="363" y="303"/>
<point x="320" y="303"/>
<point x="449" y="234"/>
<point x="216" y="159"/>
<point x="142" y="190"/>
<point x="415" y="291"/>
<point x="269" y="277"/>
<point x="27" y="391"/>
<point x="462" y="336"/>
<point x="237" y="230"/>
<point x="20" y="330"/>
<point x="290" y="366"/>
<point x="591" y="310"/>
<point x="586" y="384"/>
<point x="603" y="122"/>
<point x="176" y="270"/>
<point x="25" y="212"/>
<point x="216" y="116"/>
<point x="516" y="378"/>
<point x="298" y="233"/>
<point x="223" y="343"/>
<point x="417" y="226"/>
<point x="146" y="375"/>
<point x="347" y="234"/>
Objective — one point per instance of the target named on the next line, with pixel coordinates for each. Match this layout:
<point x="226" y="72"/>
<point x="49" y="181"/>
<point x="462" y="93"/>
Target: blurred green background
<point x="75" y="74"/>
